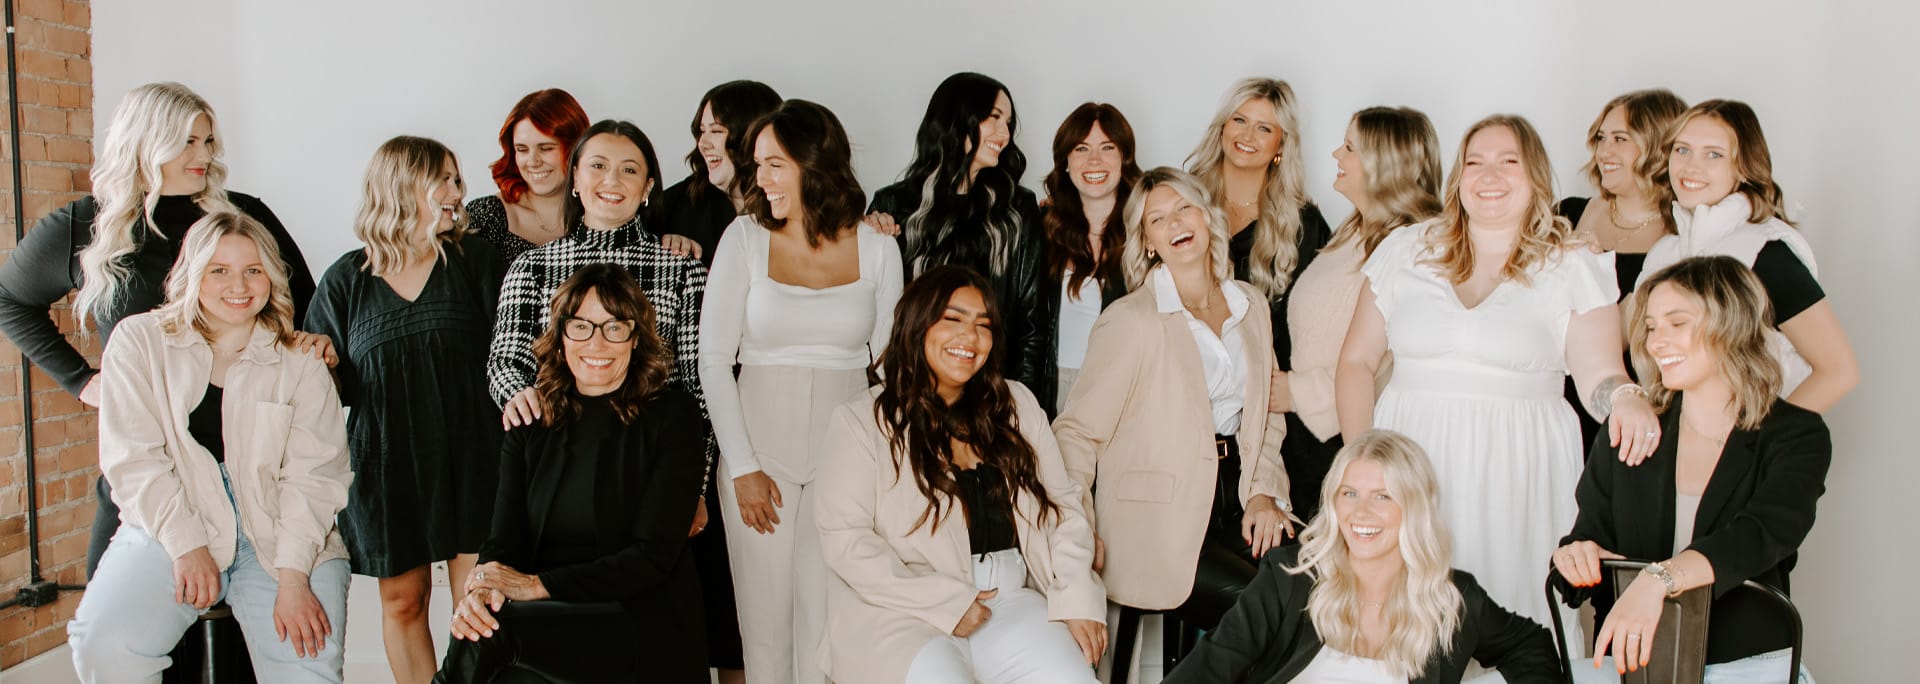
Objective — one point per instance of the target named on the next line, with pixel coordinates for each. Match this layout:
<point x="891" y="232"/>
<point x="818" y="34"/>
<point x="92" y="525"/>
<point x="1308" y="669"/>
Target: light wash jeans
<point x="127" y="621"/>
<point x="1765" y="668"/>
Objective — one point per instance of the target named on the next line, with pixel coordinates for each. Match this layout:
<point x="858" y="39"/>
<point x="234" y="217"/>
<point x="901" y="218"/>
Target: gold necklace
<point x="1688" y="424"/>
<point x="1613" y="216"/>
<point x="1206" y="302"/>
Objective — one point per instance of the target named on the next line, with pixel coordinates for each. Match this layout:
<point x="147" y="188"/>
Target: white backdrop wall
<point x="306" y="91"/>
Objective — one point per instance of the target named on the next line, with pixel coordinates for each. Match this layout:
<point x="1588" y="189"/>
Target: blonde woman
<point x="1728" y="498"/>
<point x="1725" y="202"/>
<point x="1389" y="168"/>
<point x="412" y="312"/>
<point x="1486" y="310"/>
<point x="1250" y="161"/>
<point x="1370" y="596"/>
<point x="227" y="447"/>
<point x="158" y="170"/>
<point x="1167" y="431"/>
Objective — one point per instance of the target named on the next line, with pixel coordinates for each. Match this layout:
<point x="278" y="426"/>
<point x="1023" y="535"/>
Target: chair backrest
<point x="1680" y="642"/>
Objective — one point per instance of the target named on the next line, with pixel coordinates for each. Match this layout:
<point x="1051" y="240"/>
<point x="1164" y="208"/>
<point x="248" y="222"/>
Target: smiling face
<point x="234" y="286"/>
<point x="778" y="176"/>
<point x="439" y="202"/>
<point x="1673" y="322"/>
<point x="1615" y="153"/>
<point x="1094" y="166"/>
<point x="1350" y="179"/>
<point x="712" y="144"/>
<point x="541" y="160"/>
<point x="1494" y="187"/>
<point x="611" y="181"/>
<point x="959" y="344"/>
<point x="1701" y="162"/>
<point x="598" y="366"/>
<point x="1175" y="227"/>
<point x="1252" y="135"/>
<point x="996" y="131"/>
<point x="186" y="174"/>
<point x="1369" y="516"/>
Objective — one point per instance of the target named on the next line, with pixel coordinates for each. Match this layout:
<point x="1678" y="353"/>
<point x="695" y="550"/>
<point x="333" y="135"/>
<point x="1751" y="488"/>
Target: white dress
<point x="1480" y="390"/>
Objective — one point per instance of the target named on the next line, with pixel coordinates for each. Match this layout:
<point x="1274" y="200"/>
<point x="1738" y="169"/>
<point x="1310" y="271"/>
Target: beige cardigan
<point x="894" y="589"/>
<point x="286" y="446"/>
<point x="1319" y="310"/>
<point x="1138" y="425"/>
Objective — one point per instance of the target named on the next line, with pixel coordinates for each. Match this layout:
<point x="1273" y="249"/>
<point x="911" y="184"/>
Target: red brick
<point x="12" y="654"/>
<point x="77" y="457"/>
<point x="72" y="545"/>
<point x="50" y="178"/>
<point x="41" y="120"/>
<point x="66" y="41"/>
<point x="13" y="500"/>
<point x="9" y="446"/>
<point x="46" y="640"/>
<point x="42" y="64"/>
<point x="71" y="96"/>
<point x="48" y="9"/>
<point x="77" y="14"/>
<point x="9" y="413"/>
<point x="14" y="564"/>
<point x="70" y="150"/>
<point x="16" y="626"/>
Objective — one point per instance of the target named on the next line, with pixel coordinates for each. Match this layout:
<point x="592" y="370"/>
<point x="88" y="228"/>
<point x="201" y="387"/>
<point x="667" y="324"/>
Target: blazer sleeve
<point x="1270" y="474"/>
<point x="1519" y="648"/>
<point x="133" y="441"/>
<point x="845" y="511"/>
<point x="1075" y="591"/>
<point x="314" y="472"/>
<point x="1257" y="625"/>
<point x="1115" y="350"/>
<point x="1794" y="456"/>
<point x="510" y="539"/>
<point x="40" y="273"/>
<point x="722" y="321"/>
<point x="669" y="493"/>
<point x="1594" y="523"/>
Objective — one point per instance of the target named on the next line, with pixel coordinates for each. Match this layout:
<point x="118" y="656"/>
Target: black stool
<point x="213" y="651"/>
<point x="1176" y="638"/>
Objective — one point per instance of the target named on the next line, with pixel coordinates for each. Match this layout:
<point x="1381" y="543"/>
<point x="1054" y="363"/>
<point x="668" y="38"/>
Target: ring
<point x="1651" y="433"/>
<point x="1633" y="636"/>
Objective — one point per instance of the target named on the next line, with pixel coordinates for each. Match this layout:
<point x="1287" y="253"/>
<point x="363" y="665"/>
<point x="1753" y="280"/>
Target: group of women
<point x="943" y="429"/>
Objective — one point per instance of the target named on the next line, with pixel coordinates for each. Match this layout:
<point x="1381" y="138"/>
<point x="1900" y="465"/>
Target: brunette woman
<point x="701" y="207"/>
<point x="1093" y="175"/>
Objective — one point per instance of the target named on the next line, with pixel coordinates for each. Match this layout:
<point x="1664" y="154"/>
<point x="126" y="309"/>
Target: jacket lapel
<point x="545" y="481"/>
<point x="1736" y="460"/>
<point x="1659" y="497"/>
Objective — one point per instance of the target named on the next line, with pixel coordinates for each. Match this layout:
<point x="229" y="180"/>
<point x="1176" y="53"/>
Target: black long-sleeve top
<point x="46" y="267"/>
<point x="1757" y="508"/>
<point x="1017" y="287"/>
<point x="1268" y="636"/>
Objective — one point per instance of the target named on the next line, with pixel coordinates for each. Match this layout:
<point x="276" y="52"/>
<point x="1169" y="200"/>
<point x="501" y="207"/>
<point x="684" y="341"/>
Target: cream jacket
<point x="1137" y="437"/>
<point x="896" y="588"/>
<point x="286" y="446"/>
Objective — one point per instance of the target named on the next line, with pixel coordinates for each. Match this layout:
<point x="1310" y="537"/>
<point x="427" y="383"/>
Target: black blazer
<point x="647" y="483"/>
<point x="1756" y="509"/>
<point x="1268" y="636"/>
<point x="1017" y="288"/>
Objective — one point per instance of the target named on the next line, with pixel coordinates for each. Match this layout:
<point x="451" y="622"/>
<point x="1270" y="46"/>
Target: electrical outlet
<point x="439" y="574"/>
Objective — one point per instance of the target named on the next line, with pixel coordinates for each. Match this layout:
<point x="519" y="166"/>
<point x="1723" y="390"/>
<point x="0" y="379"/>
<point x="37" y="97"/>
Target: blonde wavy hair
<point x="149" y="129"/>
<point x="1542" y="234"/>
<point x="1135" y="262"/>
<point x="1733" y="325"/>
<point x="1276" y="236"/>
<point x="403" y="170"/>
<point x="1423" y="610"/>
<point x="1401" y="155"/>
<point x="182" y="310"/>
<point x="1651" y="115"/>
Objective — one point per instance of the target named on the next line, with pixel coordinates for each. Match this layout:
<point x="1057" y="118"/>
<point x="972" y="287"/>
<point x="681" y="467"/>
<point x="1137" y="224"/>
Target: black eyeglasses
<point x="581" y="330"/>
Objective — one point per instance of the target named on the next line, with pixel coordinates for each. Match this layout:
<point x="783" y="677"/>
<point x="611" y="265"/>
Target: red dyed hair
<point x="556" y="114"/>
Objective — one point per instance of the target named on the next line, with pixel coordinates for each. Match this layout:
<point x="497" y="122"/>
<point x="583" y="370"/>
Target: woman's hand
<point x="699" y="516"/>
<point x="759" y="499"/>
<point x="1264" y="526"/>
<point x="681" y="245"/>
<point x="1099" y="553"/>
<point x="1633" y="428"/>
<point x="510" y="583"/>
<point x="1279" y="393"/>
<point x="883" y="224"/>
<point x="522" y="409"/>
<point x="196" y="579"/>
<point x="1092" y="638"/>
<point x="977" y="614"/>
<point x="320" y="346"/>
<point x="473" y="618"/>
<point x="298" y="616"/>
<point x="1629" y="628"/>
<point x="1579" y="562"/>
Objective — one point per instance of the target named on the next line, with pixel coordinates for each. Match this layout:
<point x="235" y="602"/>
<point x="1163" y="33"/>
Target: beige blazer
<point x="1137" y="435"/>
<point x="895" y="590"/>
<point x="286" y="446"/>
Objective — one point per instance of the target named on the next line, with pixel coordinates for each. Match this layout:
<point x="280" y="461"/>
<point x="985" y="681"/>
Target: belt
<point x="1226" y="446"/>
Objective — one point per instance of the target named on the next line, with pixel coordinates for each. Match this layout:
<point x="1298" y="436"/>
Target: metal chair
<point x="1680" y="642"/>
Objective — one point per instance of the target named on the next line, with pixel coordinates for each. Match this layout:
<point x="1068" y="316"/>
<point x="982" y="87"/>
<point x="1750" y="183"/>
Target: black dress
<point x="424" y="436"/>
<point x="703" y="219"/>
<point x="487" y="217"/>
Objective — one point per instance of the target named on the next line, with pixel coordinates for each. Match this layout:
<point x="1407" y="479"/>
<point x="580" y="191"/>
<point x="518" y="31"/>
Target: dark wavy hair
<point x="624" y="129"/>
<point x="555" y="113"/>
<point x="648" y="369"/>
<point x="921" y="427"/>
<point x="1066" y="219"/>
<point x="817" y="145"/>
<point x="943" y="152"/>
<point x="736" y="104"/>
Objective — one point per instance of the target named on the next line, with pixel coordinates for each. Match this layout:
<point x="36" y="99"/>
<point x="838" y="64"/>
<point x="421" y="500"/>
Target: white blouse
<point x="1077" y="315"/>
<point x="751" y="319"/>
<point x="1219" y="354"/>
<point x="1332" y="666"/>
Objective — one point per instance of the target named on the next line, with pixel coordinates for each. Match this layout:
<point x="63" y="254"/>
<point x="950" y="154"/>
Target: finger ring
<point x="1651" y="433"/>
<point x="1633" y="636"/>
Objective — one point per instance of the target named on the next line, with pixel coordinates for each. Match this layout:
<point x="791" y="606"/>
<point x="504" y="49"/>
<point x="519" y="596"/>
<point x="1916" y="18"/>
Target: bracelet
<point x="1614" y="396"/>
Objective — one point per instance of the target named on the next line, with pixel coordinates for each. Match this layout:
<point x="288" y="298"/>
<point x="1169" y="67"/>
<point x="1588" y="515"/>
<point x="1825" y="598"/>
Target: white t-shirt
<point x="1076" y="320"/>
<point x="1332" y="666"/>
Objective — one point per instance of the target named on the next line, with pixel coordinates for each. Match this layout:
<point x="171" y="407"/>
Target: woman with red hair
<point x="531" y="173"/>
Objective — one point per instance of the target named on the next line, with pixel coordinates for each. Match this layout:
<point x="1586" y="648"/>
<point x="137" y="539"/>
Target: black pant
<point x="1308" y="460"/>
<point x="1226" y="563"/>
<point x="106" y="521"/>
<point x="551" y="641"/>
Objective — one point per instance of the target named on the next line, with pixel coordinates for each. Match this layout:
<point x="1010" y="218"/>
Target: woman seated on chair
<point x="1727" y="497"/>
<point x="594" y="505"/>
<point x="945" y="513"/>
<point x="227" y="453"/>
<point x="1369" y="595"/>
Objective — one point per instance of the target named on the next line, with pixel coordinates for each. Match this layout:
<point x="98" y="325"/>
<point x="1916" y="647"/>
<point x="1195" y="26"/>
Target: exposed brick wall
<point x="56" y="143"/>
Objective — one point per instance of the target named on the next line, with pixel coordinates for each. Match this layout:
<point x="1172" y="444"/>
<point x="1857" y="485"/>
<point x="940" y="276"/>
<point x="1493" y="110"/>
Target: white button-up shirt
<point x="1220" y="355"/>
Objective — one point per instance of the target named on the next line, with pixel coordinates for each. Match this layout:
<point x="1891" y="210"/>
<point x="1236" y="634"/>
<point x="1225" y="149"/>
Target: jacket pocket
<point x="267" y="428"/>
<point x="1150" y="486"/>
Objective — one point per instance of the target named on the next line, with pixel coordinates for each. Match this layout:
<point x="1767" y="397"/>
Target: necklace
<point x="1206" y="302"/>
<point x="1613" y="216"/>
<point x="1688" y="424"/>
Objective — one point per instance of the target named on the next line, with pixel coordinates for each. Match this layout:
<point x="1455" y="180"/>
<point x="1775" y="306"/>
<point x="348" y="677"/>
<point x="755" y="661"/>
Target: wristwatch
<point x="1659" y="571"/>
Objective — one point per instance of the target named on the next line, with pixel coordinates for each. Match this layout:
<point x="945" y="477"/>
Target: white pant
<point x="1017" y="645"/>
<point x="1764" y="668"/>
<point x="127" y="621"/>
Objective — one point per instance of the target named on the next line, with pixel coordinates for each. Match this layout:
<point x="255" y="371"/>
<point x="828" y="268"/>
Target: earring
<point x="575" y="191"/>
<point x="1151" y="254"/>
